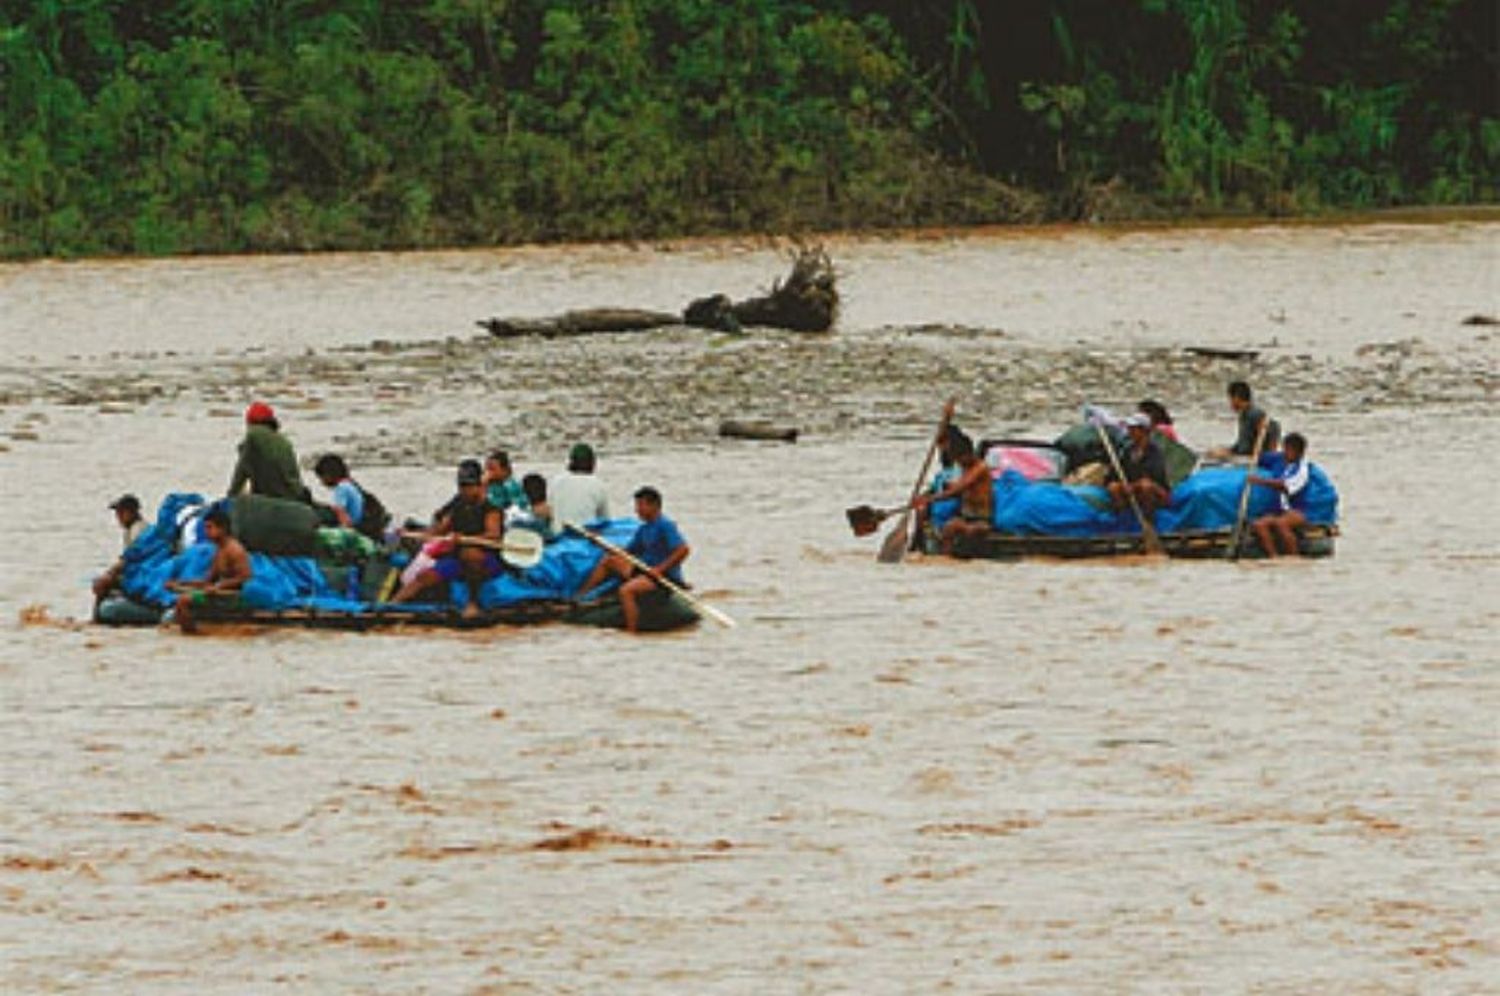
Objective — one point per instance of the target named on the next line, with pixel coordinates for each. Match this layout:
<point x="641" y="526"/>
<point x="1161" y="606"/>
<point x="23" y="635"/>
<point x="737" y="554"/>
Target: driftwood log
<point x="807" y="301"/>
<point x="1216" y="353"/>
<point x="735" y="429"/>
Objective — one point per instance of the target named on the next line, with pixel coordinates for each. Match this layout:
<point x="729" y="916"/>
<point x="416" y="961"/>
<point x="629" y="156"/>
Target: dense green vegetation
<point x="223" y="125"/>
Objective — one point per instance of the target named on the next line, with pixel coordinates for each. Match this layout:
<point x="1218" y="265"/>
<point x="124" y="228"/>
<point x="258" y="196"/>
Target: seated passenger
<point x="578" y="495"/>
<point x="1161" y="420"/>
<point x="227" y="574"/>
<point x="975" y="491"/>
<point x="267" y="462"/>
<point x="1250" y="417"/>
<point x="1293" y="487"/>
<point x="468" y="514"/>
<point x="127" y="509"/>
<point x="500" y="484"/>
<point x="353" y="507"/>
<point x="538" y="514"/>
<point x="1145" y="470"/>
<point x="657" y="543"/>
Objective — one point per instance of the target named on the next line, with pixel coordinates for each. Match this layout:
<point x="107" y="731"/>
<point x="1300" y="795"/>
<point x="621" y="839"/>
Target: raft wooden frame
<point x="1315" y="541"/>
<point x="523" y="614"/>
<point x="669" y="615"/>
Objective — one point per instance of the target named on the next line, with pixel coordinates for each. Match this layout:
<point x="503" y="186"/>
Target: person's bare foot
<point x="471" y="611"/>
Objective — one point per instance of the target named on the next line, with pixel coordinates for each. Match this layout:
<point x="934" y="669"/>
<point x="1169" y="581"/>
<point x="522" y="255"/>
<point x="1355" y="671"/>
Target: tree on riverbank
<point x="292" y="124"/>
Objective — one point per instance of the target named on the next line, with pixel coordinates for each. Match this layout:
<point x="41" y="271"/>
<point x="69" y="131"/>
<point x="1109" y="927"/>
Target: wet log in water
<point x="807" y="301"/>
<point x="1217" y="353"/>
<point x="584" y="322"/>
<point x="735" y="429"/>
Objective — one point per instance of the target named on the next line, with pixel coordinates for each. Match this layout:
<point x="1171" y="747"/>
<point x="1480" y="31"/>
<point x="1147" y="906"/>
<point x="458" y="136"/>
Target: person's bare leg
<point x="1262" y="529"/>
<point x="472" y="561"/>
<point x="630" y="591"/>
<point x="1286" y="528"/>
<point x="607" y="565"/>
<point x="417" y="585"/>
<point x="975" y="531"/>
<point x="185" y="618"/>
<point x="1145" y="497"/>
<point x="950" y="532"/>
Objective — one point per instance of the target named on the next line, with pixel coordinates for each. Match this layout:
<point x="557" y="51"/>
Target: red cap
<point x="259" y="412"/>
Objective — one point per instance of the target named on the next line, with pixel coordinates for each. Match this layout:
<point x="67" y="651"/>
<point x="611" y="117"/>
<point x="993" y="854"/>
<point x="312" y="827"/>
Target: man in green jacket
<point x="267" y="461"/>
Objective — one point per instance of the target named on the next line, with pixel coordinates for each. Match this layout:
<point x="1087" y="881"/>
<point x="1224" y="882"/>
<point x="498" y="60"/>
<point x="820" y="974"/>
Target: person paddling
<point x="1145" y="470"/>
<point x="975" y="491"/>
<point x="469" y="514"/>
<point x="657" y="543"/>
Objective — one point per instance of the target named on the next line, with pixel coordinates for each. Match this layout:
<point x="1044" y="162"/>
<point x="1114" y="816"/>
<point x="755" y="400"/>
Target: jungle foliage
<point x="231" y="125"/>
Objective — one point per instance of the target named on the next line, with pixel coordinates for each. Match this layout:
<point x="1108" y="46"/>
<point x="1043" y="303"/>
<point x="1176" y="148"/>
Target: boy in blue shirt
<point x="348" y="502"/>
<point x="657" y="543"/>
<point x="1293" y="487"/>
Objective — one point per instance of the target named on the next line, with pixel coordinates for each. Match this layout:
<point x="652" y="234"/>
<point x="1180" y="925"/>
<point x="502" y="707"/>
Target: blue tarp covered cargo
<point x="1205" y="501"/>
<point x="285" y="582"/>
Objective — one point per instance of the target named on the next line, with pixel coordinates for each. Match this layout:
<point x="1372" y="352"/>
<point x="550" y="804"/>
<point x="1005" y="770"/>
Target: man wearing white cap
<point x="1145" y="469"/>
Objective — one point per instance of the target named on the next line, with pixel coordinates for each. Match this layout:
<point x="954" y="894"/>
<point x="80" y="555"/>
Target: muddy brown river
<point x="974" y="777"/>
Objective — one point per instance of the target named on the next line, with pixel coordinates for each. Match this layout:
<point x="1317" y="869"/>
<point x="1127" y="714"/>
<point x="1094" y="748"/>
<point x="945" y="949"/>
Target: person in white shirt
<point x="578" y="496"/>
<point x="1292" y="483"/>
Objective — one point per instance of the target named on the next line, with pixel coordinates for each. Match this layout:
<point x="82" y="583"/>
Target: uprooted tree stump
<point x="807" y="301"/>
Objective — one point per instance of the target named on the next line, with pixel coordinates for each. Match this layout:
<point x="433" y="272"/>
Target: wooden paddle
<point x="520" y="548"/>
<point x="1236" y="537"/>
<point x="719" y="617"/>
<point x="864" y="520"/>
<point x="893" y="550"/>
<point x="1148" y="531"/>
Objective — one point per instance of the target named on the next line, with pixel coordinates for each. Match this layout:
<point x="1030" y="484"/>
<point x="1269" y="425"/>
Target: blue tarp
<point x="1206" y="500"/>
<point x="298" y="582"/>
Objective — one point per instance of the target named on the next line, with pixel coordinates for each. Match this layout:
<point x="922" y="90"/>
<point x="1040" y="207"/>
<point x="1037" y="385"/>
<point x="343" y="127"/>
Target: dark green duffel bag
<point x="274" y="525"/>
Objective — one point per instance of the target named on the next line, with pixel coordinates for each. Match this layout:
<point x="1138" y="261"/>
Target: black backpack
<point x="374" y="518"/>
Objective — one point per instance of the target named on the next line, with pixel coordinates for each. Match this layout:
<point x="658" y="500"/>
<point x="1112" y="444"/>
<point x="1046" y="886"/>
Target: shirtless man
<point x="974" y="490"/>
<point x="226" y="575"/>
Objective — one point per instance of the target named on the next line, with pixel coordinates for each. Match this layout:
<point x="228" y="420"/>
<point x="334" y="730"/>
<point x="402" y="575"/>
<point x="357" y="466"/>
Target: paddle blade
<point x="893" y="550"/>
<point x="522" y="548"/>
<point x="863" y="519"/>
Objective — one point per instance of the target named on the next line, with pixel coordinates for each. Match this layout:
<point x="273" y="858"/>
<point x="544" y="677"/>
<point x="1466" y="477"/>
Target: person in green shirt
<point x="501" y="488"/>
<point x="267" y="461"/>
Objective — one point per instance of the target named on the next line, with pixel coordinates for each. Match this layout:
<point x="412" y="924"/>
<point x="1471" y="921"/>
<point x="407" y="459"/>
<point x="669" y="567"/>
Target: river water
<point x="937" y="776"/>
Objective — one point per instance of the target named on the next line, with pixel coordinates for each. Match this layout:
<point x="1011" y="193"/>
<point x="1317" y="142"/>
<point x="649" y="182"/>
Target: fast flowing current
<point x="936" y="776"/>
